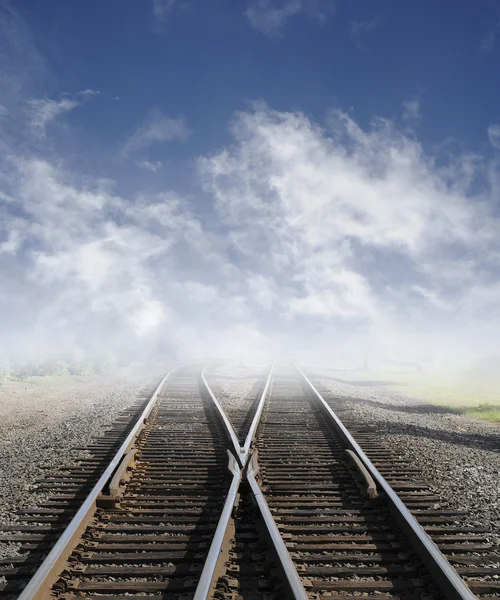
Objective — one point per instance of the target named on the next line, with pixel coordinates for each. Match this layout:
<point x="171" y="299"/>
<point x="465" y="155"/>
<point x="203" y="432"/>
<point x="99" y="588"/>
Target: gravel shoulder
<point x="43" y="423"/>
<point x="458" y="454"/>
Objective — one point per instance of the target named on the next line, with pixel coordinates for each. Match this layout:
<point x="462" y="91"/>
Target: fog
<point x="322" y="241"/>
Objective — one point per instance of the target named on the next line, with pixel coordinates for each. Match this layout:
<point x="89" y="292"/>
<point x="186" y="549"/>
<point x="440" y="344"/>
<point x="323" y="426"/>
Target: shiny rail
<point x="293" y="581"/>
<point x="39" y="586"/>
<point x="451" y="584"/>
<point x="204" y="587"/>
<point x="243" y="464"/>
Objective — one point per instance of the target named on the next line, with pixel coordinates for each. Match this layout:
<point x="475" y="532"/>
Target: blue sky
<point x="250" y="170"/>
<point x="204" y="60"/>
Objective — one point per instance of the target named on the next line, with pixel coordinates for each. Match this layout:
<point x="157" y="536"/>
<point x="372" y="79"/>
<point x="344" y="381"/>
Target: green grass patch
<point x="478" y="398"/>
<point x="488" y="412"/>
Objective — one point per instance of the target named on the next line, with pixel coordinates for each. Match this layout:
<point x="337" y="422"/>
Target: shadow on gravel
<point x="484" y="441"/>
<point x="416" y="409"/>
<point x="470" y="440"/>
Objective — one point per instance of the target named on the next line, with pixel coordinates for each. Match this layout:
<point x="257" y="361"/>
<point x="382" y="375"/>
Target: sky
<point x="233" y="178"/>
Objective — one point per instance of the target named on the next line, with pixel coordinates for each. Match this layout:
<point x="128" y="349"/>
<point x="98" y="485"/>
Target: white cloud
<point x="411" y="110"/>
<point x="270" y="16"/>
<point x="494" y="136"/>
<point x="42" y="111"/>
<point x="352" y="225"/>
<point x="101" y="270"/>
<point x="153" y="166"/>
<point x="89" y="92"/>
<point x="13" y="240"/>
<point x="156" y="129"/>
<point x="352" y="236"/>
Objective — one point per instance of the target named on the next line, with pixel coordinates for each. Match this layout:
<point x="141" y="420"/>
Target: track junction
<point x="183" y="499"/>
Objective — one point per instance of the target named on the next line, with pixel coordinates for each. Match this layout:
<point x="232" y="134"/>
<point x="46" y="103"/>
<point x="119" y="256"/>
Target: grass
<point x="44" y="379"/>
<point x="476" y="397"/>
<point x="51" y="371"/>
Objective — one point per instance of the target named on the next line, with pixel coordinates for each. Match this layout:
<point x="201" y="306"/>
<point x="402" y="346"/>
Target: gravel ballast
<point x="457" y="454"/>
<point x="43" y="424"/>
<point x="237" y="388"/>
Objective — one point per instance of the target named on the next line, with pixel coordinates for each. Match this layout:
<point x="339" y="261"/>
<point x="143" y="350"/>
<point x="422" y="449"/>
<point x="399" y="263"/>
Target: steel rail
<point x="256" y="419"/>
<point x="46" y="575"/>
<point x="241" y="452"/>
<point x="227" y="423"/>
<point x="293" y="580"/>
<point x="446" y="577"/>
<point x="207" y="579"/>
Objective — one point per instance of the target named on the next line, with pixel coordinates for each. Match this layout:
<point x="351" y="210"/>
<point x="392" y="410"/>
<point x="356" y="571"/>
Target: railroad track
<point x="278" y="501"/>
<point x="343" y="542"/>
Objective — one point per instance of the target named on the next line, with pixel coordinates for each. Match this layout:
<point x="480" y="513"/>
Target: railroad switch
<point x="263" y="578"/>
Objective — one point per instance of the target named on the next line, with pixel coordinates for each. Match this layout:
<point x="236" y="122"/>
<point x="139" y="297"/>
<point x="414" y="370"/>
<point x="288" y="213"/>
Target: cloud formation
<point x="329" y="232"/>
<point x="153" y="166"/>
<point x="43" y="111"/>
<point x="356" y="227"/>
<point x="298" y="237"/>
<point x="411" y="110"/>
<point x="157" y="128"/>
<point x="270" y="16"/>
<point x="343" y="236"/>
